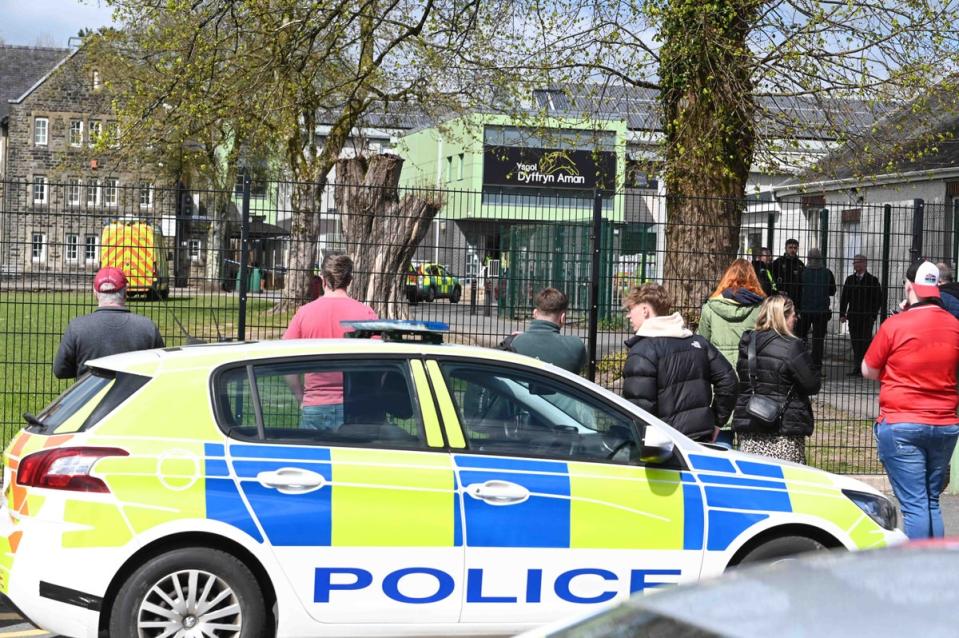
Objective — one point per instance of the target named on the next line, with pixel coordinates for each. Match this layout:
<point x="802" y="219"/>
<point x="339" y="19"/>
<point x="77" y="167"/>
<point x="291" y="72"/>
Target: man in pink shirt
<point x="321" y="393"/>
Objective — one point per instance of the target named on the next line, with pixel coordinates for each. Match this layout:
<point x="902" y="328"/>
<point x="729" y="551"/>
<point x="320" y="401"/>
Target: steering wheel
<point x="616" y="449"/>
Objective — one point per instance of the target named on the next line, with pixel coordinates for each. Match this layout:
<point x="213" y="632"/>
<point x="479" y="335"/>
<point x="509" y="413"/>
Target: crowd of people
<point x="746" y="376"/>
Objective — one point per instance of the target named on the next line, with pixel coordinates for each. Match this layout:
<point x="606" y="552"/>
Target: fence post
<point x="595" y="245"/>
<point x="918" y="223"/>
<point x="770" y="230"/>
<point x="244" y="257"/>
<point x="886" y="241"/>
<point x="824" y="234"/>
<point x="955" y="231"/>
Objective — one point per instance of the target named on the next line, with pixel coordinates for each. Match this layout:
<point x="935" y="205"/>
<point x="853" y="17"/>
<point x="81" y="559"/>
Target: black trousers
<point x="860" y="334"/>
<point x="817" y="322"/>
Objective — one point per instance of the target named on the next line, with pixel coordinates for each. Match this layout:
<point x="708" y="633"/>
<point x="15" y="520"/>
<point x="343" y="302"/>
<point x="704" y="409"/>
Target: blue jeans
<point x="916" y="457"/>
<point x="322" y="417"/>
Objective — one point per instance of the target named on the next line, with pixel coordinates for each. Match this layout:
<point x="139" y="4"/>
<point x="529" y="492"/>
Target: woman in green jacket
<point x="731" y="310"/>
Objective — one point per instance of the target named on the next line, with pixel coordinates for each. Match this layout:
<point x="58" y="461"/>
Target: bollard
<point x="473" y="297"/>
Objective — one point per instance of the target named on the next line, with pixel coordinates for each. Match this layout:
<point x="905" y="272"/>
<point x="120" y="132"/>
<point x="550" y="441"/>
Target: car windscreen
<point x="625" y="621"/>
<point x="93" y="396"/>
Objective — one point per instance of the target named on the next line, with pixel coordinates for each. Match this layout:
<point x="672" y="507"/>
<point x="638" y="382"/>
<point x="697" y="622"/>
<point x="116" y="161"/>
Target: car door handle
<point x="291" y="480"/>
<point x="498" y="492"/>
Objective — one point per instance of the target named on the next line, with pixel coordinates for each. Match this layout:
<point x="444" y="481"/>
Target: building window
<point x="257" y="184"/>
<point x="194" y="250"/>
<point x="449" y="168"/>
<point x="110" y="192"/>
<point x="90" y="248"/>
<point x="97" y="81"/>
<point x="93" y="192"/>
<point x="113" y="134"/>
<point x="38" y="247"/>
<point x="41" y="126"/>
<point x="96" y="127"/>
<point x="73" y="191"/>
<point x="76" y="132"/>
<point x="39" y="189"/>
<point x="73" y="247"/>
<point x="146" y="195"/>
<point x="459" y="166"/>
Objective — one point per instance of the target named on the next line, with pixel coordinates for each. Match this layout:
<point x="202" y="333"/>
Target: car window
<point x="75" y="398"/>
<point x="364" y="403"/>
<point x="508" y="411"/>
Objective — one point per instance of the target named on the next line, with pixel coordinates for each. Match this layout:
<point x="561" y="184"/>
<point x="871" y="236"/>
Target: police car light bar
<point x="406" y="330"/>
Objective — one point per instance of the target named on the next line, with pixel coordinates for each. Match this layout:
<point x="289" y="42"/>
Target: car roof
<point x="211" y="355"/>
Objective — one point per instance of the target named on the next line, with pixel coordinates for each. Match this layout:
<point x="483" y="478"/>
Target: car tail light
<point x="65" y="468"/>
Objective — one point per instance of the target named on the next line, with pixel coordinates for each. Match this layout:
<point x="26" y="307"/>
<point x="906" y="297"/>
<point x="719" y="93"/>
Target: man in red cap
<point x="914" y="356"/>
<point x="110" y="329"/>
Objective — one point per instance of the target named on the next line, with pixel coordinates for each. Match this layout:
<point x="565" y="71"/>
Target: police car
<point x="372" y="487"/>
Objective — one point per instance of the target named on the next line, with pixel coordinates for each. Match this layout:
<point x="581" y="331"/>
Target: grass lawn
<point x="31" y="324"/>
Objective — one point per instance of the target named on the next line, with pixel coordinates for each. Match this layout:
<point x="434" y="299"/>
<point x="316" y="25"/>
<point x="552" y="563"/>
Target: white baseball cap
<point x="924" y="276"/>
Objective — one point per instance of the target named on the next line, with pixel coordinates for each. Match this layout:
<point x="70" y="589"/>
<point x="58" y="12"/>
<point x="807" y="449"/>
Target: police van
<point x="378" y="487"/>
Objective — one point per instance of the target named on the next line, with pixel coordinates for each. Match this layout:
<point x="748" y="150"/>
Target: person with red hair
<point x="730" y="311"/>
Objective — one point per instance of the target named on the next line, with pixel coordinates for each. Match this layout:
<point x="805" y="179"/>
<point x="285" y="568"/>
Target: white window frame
<point x="110" y="189"/>
<point x="95" y="185"/>
<point x="87" y="258"/>
<point x="94" y="130"/>
<point x="146" y="188"/>
<point x="195" y="248"/>
<point x="41" y="133"/>
<point x="78" y="129"/>
<point x="72" y="252"/>
<point x="459" y="166"/>
<point x="42" y="195"/>
<point x="97" y="81"/>
<point x="38" y="240"/>
<point x="74" y="190"/>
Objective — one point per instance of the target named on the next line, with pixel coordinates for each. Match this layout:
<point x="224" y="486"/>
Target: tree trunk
<point x="708" y="112"/>
<point x="304" y="228"/>
<point x="380" y="229"/>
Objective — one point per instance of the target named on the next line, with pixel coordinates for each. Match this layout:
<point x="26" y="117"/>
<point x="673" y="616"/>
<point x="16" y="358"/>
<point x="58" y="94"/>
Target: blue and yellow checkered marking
<point x="721" y="499"/>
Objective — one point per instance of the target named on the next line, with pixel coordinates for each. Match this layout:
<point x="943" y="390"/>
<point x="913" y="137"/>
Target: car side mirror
<point x="657" y="448"/>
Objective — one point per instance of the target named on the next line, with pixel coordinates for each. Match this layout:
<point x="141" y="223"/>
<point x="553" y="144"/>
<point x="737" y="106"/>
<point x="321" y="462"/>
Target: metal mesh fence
<point x="218" y="265"/>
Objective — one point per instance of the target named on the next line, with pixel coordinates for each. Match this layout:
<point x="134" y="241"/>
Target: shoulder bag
<point x="766" y="409"/>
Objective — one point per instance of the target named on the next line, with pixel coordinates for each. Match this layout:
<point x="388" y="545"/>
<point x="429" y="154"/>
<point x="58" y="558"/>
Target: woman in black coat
<point x="785" y="373"/>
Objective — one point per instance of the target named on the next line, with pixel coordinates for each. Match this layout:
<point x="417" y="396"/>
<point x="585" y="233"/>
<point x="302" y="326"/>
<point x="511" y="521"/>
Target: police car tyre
<point x="782" y="547"/>
<point x="430" y="293"/>
<point x="203" y="591"/>
<point x="456" y="294"/>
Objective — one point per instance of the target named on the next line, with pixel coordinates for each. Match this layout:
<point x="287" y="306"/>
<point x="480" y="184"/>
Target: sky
<point x="49" y="22"/>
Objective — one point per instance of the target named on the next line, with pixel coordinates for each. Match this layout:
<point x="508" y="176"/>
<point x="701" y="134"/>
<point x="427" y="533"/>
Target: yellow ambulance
<point x="136" y="247"/>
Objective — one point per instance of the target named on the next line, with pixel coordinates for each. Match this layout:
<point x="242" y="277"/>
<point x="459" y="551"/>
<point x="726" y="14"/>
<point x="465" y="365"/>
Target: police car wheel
<point x="430" y="294"/>
<point x="456" y="294"/>
<point x="190" y="592"/>
<point x="782" y="548"/>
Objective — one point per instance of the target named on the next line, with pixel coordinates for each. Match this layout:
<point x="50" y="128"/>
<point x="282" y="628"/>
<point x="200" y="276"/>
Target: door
<point x="345" y="471"/>
<point x="556" y="515"/>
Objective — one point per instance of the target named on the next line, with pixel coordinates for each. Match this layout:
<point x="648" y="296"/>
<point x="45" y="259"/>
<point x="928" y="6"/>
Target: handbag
<point x="766" y="409"/>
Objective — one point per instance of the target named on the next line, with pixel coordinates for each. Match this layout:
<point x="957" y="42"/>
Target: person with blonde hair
<point x="774" y="364"/>
<point x="729" y="312"/>
<point x="672" y="373"/>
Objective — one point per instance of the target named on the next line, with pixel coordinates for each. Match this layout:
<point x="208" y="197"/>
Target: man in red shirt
<point x="914" y="356"/>
<point x="321" y="393"/>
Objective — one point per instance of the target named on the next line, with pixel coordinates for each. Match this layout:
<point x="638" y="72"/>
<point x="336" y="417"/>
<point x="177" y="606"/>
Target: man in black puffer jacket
<point x="672" y="373"/>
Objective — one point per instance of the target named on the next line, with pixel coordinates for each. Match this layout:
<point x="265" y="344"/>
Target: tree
<point x="381" y="229"/>
<point x="720" y="67"/>
<point x="296" y="62"/>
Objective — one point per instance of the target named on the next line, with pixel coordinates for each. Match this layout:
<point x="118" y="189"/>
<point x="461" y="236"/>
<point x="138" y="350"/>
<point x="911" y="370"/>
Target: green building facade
<point x="523" y="196"/>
